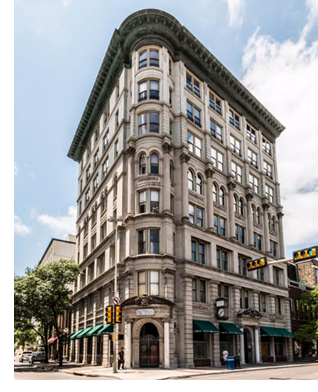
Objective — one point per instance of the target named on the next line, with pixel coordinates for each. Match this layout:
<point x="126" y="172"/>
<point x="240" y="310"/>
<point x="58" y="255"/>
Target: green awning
<point x="230" y="328"/>
<point x="204" y="326"/>
<point x="285" y="332"/>
<point x="108" y="328"/>
<point x="268" y="331"/>
<point x="74" y="334"/>
<point x="83" y="333"/>
<point x="93" y="331"/>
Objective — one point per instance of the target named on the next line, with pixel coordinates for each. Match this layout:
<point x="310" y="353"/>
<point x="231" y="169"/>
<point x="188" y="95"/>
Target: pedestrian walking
<point x="225" y="354"/>
<point x="121" y="360"/>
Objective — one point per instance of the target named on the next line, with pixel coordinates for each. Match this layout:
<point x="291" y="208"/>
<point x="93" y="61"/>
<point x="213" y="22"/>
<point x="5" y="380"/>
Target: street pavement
<point x="299" y="370"/>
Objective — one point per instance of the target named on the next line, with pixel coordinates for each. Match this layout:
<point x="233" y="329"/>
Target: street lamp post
<point x="115" y="220"/>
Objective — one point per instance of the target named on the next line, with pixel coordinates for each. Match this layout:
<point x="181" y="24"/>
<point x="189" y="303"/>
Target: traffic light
<point x="118" y="312"/>
<point x="305" y="254"/>
<point x="251" y="265"/>
<point x="109" y="315"/>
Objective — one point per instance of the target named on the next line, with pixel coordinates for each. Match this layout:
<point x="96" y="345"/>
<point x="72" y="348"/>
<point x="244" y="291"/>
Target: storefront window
<point x="200" y="346"/>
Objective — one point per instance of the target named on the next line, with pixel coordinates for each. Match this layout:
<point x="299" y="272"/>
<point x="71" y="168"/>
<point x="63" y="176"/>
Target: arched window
<point x="269" y="221"/>
<point x="254" y="213"/>
<point x="235" y="204"/>
<point x="199" y="188"/>
<point x="190" y="179"/>
<point x="154" y="163"/>
<point x="222" y="197"/>
<point x="241" y="207"/>
<point x="142" y="164"/>
<point x="215" y="192"/>
<point x="258" y="216"/>
<point x="115" y="188"/>
<point x="171" y="171"/>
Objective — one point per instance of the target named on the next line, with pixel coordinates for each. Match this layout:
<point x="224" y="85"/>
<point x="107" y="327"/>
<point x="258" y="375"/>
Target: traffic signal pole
<point x="281" y="261"/>
<point x="115" y="370"/>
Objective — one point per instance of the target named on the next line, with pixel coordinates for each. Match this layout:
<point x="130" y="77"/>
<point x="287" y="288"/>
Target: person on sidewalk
<point x="225" y="354"/>
<point x="121" y="360"/>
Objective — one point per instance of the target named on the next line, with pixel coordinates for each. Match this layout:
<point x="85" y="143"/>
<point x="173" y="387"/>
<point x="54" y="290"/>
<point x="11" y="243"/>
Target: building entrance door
<point x="248" y="346"/>
<point x="149" y="346"/>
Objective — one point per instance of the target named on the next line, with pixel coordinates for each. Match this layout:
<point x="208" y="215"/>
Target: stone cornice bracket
<point x="166" y="146"/>
<point x="209" y="172"/>
<point x="265" y="204"/>
<point x="186" y="276"/>
<point x="131" y="149"/>
<point x="280" y="214"/>
<point x="249" y="195"/>
<point x="231" y="184"/>
<point x="166" y="319"/>
<point x="184" y="158"/>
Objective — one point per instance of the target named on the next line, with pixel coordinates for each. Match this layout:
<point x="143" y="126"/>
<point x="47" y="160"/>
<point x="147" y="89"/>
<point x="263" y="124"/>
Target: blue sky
<point x="271" y="46"/>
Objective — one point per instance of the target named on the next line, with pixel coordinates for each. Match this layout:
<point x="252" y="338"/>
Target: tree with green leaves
<point x="309" y="331"/>
<point x="24" y="336"/>
<point x="42" y="296"/>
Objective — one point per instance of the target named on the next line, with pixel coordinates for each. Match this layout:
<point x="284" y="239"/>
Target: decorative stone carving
<point x="143" y="300"/>
<point x="250" y="313"/>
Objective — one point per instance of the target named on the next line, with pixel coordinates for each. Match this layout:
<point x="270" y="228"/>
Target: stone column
<point x="94" y="350"/>
<point x="231" y="186"/>
<point x="77" y="342"/>
<point x="257" y="345"/>
<point x="242" y="348"/>
<point x="250" y="236"/>
<point x="166" y="176"/>
<point x="281" y="235"/>
<point x="131" y="180"/>
<point x="272" y="348"/>
<point x="209" y="197"/>
<point x="106" y="354"/>
<point x="266" y="228"/>
<point x="128" y="344"/>
<point x="184" y="188"/>
<point x="188" y="321"/>
<point x="166" y="364"/>
<point x="70" y="358"/>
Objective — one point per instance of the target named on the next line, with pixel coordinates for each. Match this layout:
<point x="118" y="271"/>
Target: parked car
<point x="37" y="356"/>
<point x="25" y="356"/>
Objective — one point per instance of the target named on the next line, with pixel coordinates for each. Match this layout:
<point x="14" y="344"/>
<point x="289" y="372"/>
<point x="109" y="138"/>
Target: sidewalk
<point x="166" y="374"/>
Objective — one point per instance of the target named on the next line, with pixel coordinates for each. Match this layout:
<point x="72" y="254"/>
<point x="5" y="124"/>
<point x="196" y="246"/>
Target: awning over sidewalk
<point x="93" y="331"/>
<point x="82" y="334"/>
<point x="52" y="340"/>
<point x="230" y="328"/>
<point x="74" y="334"/>
<point x="107" y="329"/>
<point x="269" y="331"/>
<point x="285" y="332"/>
<point x="204" y="326"/>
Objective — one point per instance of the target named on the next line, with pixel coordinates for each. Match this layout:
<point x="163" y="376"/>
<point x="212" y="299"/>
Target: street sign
<point x="116" y="301"/>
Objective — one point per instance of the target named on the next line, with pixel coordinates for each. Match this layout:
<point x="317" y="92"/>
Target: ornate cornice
<point x="155" y="26"/>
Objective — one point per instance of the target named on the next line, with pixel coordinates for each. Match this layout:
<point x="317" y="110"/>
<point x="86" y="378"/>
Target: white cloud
<point x="66" y="3"/>
<point x="235" y="12"/>
<point x="20" y="228"/>
<point x="16" y="169"/>
<point x="60" y="225"/>
<point x="284" y="77"/>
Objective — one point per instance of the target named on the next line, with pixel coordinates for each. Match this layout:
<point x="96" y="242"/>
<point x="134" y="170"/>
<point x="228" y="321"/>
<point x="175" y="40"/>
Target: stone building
<point x="178" y="187"/>
<point x="56" y="250"/>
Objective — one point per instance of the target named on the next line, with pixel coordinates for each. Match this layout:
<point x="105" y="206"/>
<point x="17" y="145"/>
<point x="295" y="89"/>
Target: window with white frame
<point x="254" y="183"/>
<point x="106" y="140"/>
<point x="242" y="265"/>
<point x="269" y="192"/>
<point x="148" y="122"/>
<point x="196" y="215"/>
<point x="273" y="248"/>
<point x="268" y="169"/>
<point x="244" y="299"/>
<point x="153" y="196"/>
<point x="240" y="234"/>
<point x="149" y="57"/>
<point x="105" y="166"/>
<point x="217" y="159"/>
<point x="88" y="173"/>
<point x="220" y="225"/>
<point x="252" y="157"/>
<point x="193" y="114"/>
<point x="95" y="183"/>
<point x="234" y="119"/>
<point x="235" y="145"/>
<point x="148" y="282"/>
<point x="222" y="259"/>
<point x="148" y="241"/>
<point x="87" y="196"/>
<point x="258" y="241"/>
<point x="197" y="251"/>
<point x="194" y="144"/>
<point x="251" y="133"/>
<point x="236" y="170"/>
<point x="96" y="158"/>
<point x="262" y="302"/>
<point x="216" y="130"/>
<point x="215" y="103"/>
<point x="142" y="202"/>
<point x="148" y="89"/>
<point x="193" y="84"/>
<point x="198" y="290"/>
<point x="267" y="146"/>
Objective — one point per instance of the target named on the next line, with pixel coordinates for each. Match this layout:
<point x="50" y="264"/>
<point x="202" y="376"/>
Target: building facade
<point x="56" y="250"/>
<point x="178" y="187"/>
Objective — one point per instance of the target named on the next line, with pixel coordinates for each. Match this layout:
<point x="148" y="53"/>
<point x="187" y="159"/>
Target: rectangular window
<point x="240" y="234"/>
<point x="141" y="241"/>
<point x="142" y="288"/>
<point x="93" y="242"/>
<point x="216" y="130"/>
<point x="198" y="147"/>
<point x="261" y="274"/>
<point x="106" y="140"/>
<point x="196" y="215"/>
<point x="262" y="302"/>
<point x="202" y="291"/>
<point x="142" y="202"/>
<point x="193" y="84"/>
<point x="219" y="225"/>
<point x="278" y="305"/>
<point x="117" y="119"/>
<point x="154" y="201"/>
<point x="87" y="196"/>
<point x="251" y="133"/>
<point x="276" y="276"/>
<point x="242" y="265"/>
<point x="197" y="252"/>
<point x="103" y="231"/>
<point x="116" y="148"/>
<point x="222" y="259"/>
<point x="244" y="300"/>
<point x="215" y="103"/>
<point x="237" y="172"/>
<point x="267" y="146"/>
<point x="273" y="247"/>
<point x="194" y="144"/>
<point x="234" y="119"/>
<point x="88" y="173"/>
<point x="269" y="192"/>
<point x="223" y="291"/>
<point x="257" y="241"/>
<point x="194" y="290"/>
<point x="154" y="241"/>
<point x="193" y="114"/>
<point x="95" y="183"/>
<point x="217" y="159"/>
<point x="153" y="58"/>
<point x="148" y="122"/>
<point x="252" y="157"/>
<point x="235" y="145"/>
<point x="254" y="183"/>
<point x="149" y="90"/>
<point x="268" y="169"/>
<point x="105" y="166"/>
<point x="96" y="158"/>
